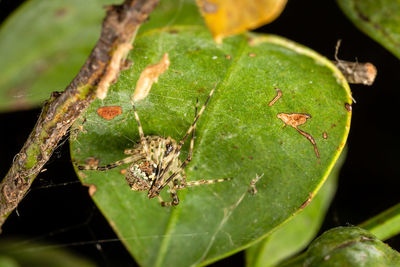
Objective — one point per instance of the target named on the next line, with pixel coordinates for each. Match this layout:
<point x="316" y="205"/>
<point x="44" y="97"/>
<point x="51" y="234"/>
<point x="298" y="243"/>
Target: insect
<point x="155" y="162"/>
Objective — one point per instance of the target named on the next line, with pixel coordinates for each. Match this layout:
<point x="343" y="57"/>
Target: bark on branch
<point x="62" y="109"/>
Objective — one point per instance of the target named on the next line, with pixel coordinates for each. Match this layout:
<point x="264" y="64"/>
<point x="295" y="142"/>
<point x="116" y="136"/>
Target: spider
<point x="155" y="162"/>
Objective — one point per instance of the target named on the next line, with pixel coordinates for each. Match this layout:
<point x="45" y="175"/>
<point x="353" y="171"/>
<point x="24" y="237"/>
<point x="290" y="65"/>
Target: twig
<point x="62" y="109"/>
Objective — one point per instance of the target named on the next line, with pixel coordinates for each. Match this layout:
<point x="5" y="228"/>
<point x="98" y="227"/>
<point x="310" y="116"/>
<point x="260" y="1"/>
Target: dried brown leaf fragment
<point x="149" y="76"/>
<point x="296" y="119"/>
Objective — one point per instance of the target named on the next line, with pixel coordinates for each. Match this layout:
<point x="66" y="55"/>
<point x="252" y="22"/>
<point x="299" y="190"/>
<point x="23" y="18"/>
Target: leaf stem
<point x="384" y="225"/>
<point x="62" y="109"/>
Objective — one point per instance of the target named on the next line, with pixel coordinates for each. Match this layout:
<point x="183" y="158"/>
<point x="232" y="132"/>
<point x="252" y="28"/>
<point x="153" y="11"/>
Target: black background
<point x="368" y="184"/>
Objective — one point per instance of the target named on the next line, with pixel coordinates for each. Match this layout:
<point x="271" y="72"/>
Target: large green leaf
<point x="380" y="19"/>
<point x="45" y="43"/>
<point x="238" y="136"/>
<point x="296" y="234"/>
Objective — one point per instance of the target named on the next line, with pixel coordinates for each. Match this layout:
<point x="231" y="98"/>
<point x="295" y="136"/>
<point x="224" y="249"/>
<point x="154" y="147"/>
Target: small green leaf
<point x="349" y="246"/>
<point x="379" y="19"/>
<point x="296" y="234"/>
<point x="239" y="136"/>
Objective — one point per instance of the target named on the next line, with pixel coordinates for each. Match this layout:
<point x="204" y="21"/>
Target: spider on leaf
<point x="155" y="162"/>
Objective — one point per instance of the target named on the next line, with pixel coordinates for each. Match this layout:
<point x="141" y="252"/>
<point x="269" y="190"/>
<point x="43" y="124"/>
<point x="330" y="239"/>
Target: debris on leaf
<point x="348" y="107"/>
<point x="109" y="113"/>
<point x="355" y="72"/>
<point x="295" y="120"/>
<point x="308" y="201"/>
<point x="112" y="71"/>
<point x="91" y="188"/>
<point x="252" y="189"/>
<point x="149" y="76"/>
<point x="276" y="98"/>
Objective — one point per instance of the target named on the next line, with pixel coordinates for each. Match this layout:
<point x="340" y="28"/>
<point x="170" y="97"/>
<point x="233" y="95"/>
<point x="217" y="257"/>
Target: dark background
<point x="58" y="208"/>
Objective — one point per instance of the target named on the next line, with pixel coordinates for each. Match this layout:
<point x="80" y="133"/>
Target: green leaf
<point x="239" y="136"/>
<point x="14" y="253"/>
<point x="46" y="57"/>
<point x="296" y="234"/>
<point x="348" y="246"/>
<point x="379" y="19"/>
<point x="42" y="53"/>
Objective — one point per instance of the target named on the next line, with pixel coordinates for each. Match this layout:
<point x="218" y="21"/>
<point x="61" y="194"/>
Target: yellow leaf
<point x="228" y="17"/>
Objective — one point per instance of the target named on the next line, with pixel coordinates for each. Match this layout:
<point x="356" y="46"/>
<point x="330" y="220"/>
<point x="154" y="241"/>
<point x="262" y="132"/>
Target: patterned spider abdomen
<point x="141" y="174"/>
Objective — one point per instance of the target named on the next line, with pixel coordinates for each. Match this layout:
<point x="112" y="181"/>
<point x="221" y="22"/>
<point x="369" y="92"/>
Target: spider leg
<point x="130" y="151"/>
<point x="156" y="187"/>
<point x="159" y="162"/>
<point x="174" y="196"/>
<point x="111" y="165"/>
<point x="189" y="158"/>
<point x="142" y="138"/>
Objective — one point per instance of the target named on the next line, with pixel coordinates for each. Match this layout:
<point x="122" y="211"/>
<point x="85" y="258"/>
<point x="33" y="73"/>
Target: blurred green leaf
<point x="296" y="234"/>
<point x="380" y="19"/>
<point x="238" y="136"/>
<point x="14" y="253"/>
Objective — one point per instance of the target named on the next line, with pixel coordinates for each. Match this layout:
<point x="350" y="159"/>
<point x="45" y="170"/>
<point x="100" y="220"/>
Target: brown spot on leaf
<point x="92" y="162"/>
<point x="149" y="76"/>
<point x="91" y="188"/>
<point x="325" y="135"/>
<point x="296" y="119"/>
<point x="228" y="56"/>
<point x="348" y="107"/>
<point x="61" y="12"/>
<point x="126" y="64"/>
<point x="308" y="201"/>
<point x="173" y="31"/>
<point x="207" y="7"/>
<point x="252" y="54"/>
<point x="109" y="113"/>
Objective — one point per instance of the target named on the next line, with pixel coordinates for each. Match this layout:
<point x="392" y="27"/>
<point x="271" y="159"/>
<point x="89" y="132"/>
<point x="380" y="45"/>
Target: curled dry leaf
<point x="228" y="17"/>
<point x="355" y="72"/>
<point x="294" y="119"/>
<point x="149" y="76"/>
